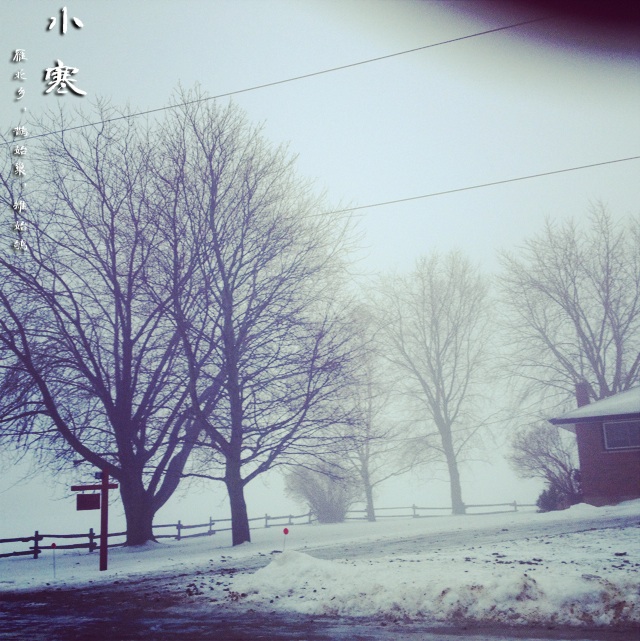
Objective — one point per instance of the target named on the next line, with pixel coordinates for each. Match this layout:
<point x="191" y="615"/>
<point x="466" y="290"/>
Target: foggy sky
<point x="480" y="110"/>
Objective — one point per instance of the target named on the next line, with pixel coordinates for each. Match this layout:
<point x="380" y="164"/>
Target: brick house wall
<point x="608" y="476"/>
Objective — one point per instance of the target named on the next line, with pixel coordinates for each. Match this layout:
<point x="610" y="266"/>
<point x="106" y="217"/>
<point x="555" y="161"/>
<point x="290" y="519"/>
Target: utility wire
<point x="295" y="78"/>
<point x="480" y="186"/>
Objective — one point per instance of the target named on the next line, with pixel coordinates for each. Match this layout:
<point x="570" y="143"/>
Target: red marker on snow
<point x="286" y="531"/>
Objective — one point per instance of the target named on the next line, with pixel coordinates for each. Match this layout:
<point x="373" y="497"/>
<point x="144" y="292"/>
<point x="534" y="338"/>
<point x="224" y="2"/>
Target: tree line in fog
<point x="184" y="308"/>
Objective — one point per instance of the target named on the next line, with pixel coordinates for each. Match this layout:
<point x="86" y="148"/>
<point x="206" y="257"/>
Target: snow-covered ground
<point x="577" y="567"/>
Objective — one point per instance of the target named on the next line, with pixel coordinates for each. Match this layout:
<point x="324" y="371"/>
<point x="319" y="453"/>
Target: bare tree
<point x="433" y="324"/>
<point x="374" y="444"/>
<point x="541" y="452"/>
<point x="90" y="360"/>
<point x="572" y="301"/>
<point x="265" y="324"/>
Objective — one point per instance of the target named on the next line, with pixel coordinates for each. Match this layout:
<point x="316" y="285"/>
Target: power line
<point x="480" y="186"/>
<point x="296" y="78"/>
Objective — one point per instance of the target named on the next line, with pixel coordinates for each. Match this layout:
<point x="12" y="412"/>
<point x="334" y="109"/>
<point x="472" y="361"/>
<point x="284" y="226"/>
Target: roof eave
<point x="630" y="416"/>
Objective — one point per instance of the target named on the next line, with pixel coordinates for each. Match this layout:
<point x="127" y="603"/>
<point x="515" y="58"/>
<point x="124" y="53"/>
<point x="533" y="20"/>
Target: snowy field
<point x="580" y="567"/>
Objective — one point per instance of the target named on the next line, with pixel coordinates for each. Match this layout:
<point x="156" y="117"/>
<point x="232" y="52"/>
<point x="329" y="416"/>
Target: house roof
<point x="625" y="405"/>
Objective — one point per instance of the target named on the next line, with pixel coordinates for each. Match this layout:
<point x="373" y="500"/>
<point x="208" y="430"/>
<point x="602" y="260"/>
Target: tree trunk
<point x="138" y="511"/>
<point x="368" y="492"/>
<point x="240" y="532"/>
<point x="457" y="505"/>
<point x="371" y="513"/>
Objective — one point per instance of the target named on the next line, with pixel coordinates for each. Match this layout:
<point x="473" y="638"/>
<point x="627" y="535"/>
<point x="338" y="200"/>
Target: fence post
<point x="266" y="521"/>
<point x="290" y="520"/>
<point x="92" y="543"/>
<point x="36" y="549"/>
<point x="515" y="506"/>
<point x="179" y="526"/>
<point x="211" y="524"/>
<point x="415" y="515"/>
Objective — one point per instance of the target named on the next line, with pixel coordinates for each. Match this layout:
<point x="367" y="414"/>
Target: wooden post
<point x="290" y="520"/>
<point x="415" y="514"/>
<point x="211" y="523"/>
<point x="179" y="526"/>
<point x="104" y="520"/>
<point x="266" y="521"/>
<point x="104" y="488"/>
<point x="92" y="540"/>
<point x="36" y="549"/>
<point x="515" y="506"/>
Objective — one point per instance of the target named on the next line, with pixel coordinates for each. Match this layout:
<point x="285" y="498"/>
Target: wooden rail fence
<point x="93" y="539"/>
<point x="211" y="527"/>
<point x="414" y="510"/>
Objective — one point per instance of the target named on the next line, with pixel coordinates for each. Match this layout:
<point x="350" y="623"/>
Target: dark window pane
<point x="622" y="434"/>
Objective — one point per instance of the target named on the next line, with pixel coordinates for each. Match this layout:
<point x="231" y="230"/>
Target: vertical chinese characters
<point x="19" y="151"/>
<point x="59" y="77"/>
<point x="18" y="56"/>
<point x="19" y="225"/>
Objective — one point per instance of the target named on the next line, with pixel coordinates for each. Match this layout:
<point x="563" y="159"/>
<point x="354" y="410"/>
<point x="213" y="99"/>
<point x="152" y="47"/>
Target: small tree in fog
<point x="540" y="451"/>
<point x="374" y="444"/>
<point x="328" y="489"/>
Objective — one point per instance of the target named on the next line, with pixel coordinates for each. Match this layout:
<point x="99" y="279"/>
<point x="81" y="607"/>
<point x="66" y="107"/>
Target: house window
<point x="621" y="435"/>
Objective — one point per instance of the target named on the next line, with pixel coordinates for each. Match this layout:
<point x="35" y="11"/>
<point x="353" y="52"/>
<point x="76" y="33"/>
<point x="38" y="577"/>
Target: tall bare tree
<point x="265" y="324"/>
<point x="91" y="361"/>
<point x="433" y="324"/>
<point x="572" y="301"/>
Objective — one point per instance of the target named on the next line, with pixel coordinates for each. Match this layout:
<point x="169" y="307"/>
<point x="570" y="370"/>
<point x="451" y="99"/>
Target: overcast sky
<point x="490" y="108"/>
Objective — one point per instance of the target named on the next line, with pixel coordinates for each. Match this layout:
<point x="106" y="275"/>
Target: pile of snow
<point x="575" y="582"/>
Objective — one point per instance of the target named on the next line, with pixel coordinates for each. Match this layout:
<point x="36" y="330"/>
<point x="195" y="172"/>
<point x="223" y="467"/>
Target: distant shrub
<point x="550" y="500"/>
<point x="327" y="491"/>
<point x="554" y="498"/>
